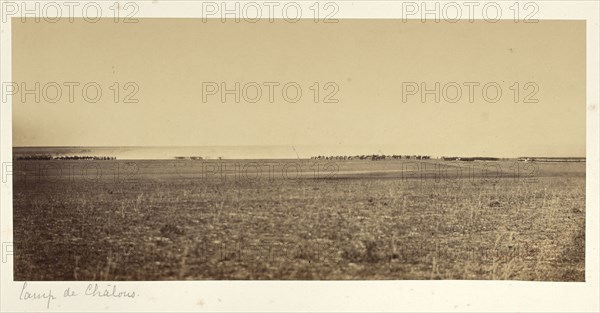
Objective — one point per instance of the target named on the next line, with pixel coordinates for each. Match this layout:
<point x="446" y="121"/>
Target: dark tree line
<point x="64" y="157"/>
<point x="34" y="157"/>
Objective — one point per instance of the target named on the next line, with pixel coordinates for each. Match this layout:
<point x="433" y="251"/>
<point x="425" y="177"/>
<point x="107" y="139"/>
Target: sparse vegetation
<point x="366" y="222"/>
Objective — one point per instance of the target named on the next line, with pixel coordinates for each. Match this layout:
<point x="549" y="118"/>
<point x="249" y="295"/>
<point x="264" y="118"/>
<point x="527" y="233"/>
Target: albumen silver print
<point x="295" y="142"/>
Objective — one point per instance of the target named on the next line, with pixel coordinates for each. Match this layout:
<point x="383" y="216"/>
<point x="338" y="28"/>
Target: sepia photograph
<point x="223" y="158"/>
<point x="295" y="146"/>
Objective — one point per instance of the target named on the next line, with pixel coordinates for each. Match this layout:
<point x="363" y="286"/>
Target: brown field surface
<point x="298" y="219"/>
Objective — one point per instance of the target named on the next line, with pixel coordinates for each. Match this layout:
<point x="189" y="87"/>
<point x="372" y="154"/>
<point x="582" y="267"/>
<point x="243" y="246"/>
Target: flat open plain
<point x="298" y="219"/>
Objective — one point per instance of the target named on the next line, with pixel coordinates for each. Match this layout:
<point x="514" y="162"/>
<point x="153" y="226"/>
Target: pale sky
<point x="369" y="60"/>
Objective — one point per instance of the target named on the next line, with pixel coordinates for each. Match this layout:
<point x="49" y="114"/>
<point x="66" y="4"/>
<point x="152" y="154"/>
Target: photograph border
<point x="303" y="296"/>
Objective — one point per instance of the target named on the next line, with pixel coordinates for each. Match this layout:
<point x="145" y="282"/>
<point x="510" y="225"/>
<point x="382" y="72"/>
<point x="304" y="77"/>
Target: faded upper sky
<point x="169" y="59"/>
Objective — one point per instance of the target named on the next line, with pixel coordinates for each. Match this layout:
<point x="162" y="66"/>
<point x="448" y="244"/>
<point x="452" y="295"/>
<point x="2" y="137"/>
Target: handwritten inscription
<point x="95" y="291"/>
<point x="91" y="290"/>
<point x="27" y="295"/>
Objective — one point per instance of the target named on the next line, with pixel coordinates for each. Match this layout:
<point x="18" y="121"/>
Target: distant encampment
<point x="550" y="159"/>
<point x="372" y="157"/>
<point x="379" y="157"/>
<point x="189" y="158"/>
<point x="470" y="159"/>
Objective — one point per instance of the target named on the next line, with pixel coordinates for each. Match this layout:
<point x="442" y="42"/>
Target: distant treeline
<point x="372" y="157"/>
<point x="64" y="157"/>
<point x="189" y="158"/>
